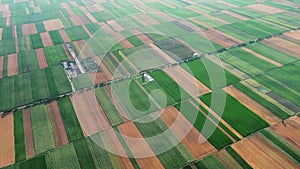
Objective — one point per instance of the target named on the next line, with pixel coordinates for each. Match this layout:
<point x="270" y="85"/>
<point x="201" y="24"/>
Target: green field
<point x="77" y="33"/>
<point x="42" y="129"/>
<point x="238" y="158"/>
<point x="20" y="149"/>
<point x="209" y="162"/>
<point x="54" y="54"/>
<point x="82" y="81"/>
<point x="68" y="115"/>
<point x="36" y="41"/>
<point x="27" y="61"/>
<point x="7" y="46"/>
<point x="84" y="155"/>
<point x="234" y="111"/>
<point x="55" y="37"/>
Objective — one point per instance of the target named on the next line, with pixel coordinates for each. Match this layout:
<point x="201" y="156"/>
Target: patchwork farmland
<point x="149" y="84"/>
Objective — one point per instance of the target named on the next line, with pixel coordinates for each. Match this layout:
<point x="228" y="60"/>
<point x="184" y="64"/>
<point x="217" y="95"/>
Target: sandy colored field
<point x="4" y="7"/>
<point x="141" y="36"/>
<point x="261" y="154"/>
<point x="293" y="34"/>
<point x="145" y="19"/>
<point x="53" y="24"/>
<point x="221" y="38"/>
<point x="91" y="18"/>
<point x="64" y="35"/>
<point x="264" y="8"/>
<point x="41" y="58"/>
<point x="87" y="31"/>
<point x="227" y="160"/>
<point x="67" y="8"/>
<point x="17" y="45"/>
<point x="262" y="57"/>
<point x="76" y="20"/>
<point x="200" y="23"/>
<point x="29" y="29"/>
<point x="1" y="30"/>
<point x="291" y="132"/>
<point x="7" y="147"/>
<point x="46" y="39"/>
<point x="123" y="41"/>
<point x="187" y="81"/>
<point x="12" y="64"/>
<point x="1" y="66"/>
<point x="184" y="130"/>
<point x="235" y="15"/>
<point x="28" y="42"/>
<point x="106" y="28"/>
<point x="90" y="114"/>
<point x="227" y="3"/>
<point x="28" y="133"/>
<point x="102" y="76"/>
<point x="115" y="25"/>
<point x="139" y="147"/>
<point x="284" y="46"/>
<point x="251" y="104"/>
<point x="59" y="132"/>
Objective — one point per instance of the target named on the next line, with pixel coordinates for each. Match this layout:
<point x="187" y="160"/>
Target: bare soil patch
<point x="28" y="133"/>
<point x="59" y="131"/>
<point x="184" y="130"/>
<point x="1" y="66"/>
<point x="291" y="130"/>
<point x="261" y="154"/>
<point x="251" y="104"/>
<point x="68" y="8"/>
<point x="46" y="39"/>
<point x="262" y="8"/>
<point x="17" y="45"/>
<point x="106" y="28"/>
<point x="141" y="36"/>
<point x="29" y="29"/>
<point x="140" y="147"/>
<point x="284" y="46"/>
<point x="53" y="24"/>
<point x="221" y="38"/>
<point x="123" y="41"/>
<point x="90" y="114"/>
<point x="91" y="18"/>
<point x="7" y="146"/>
<point x="14" y="32"/>
<point x="115" y="25"/>
<point x="76" y="20"/>
<point x="64" y="35"/>
<point x="12" y="64"/>
<point x="41" y="58"/>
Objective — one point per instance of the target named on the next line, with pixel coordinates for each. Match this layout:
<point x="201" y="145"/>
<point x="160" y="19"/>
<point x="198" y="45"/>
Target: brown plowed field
<point x="293" y="34"/>
<point x="291" y="132"/>
<point x="123" y="41"/>
<point x="141" y="36"/>
<point x="64" y="35"/>
<point x="46" y="39"/>
<point x="28" y="134"/>
<point x="29" y="29"/>
<point x="184" y="130"/>
<point x="41" y="58"/>
<point x="221" y="38"/>
<point x="251" y="104"/>
<point x="102" y="76"/>
<point x="262" y="8"/>
<point x="118" y="149"/>
<point x="90" y="114"/>
<point x="227" y="160"/>
<point x="263" y="57"/>
<point x="7" y="147"/>
<point x="17" y="45"/>
<point x="140" y="147"/>
<point x="188" y="82"/>
<point x="261" y="154"/>
<point x="284" y="46"/>
<point x="76" y="20"/>
<point x="106" y="28"/>
<point x="12" y="64"/>
<point x="115" y="25"/>
<point x="59" y="131"/>
<point x="1" y="66"/>
<point x="53" y="24"/>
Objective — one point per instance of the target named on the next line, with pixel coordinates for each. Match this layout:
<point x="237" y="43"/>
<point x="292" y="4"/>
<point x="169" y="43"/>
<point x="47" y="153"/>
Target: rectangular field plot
<point x="235" y="32"/>
<point x="56" y="37"/>
<point x="77" y="33"/>
<point x="234" y="111"/>
<point x="36" y="41"/>
<point x="42" y="129"/>
<point x="20" y="149"/>
<point x="54" y="54"/>
<point x="27" y="61"/>
<point x="7" y="46"/>
<point x="210" y="162"/>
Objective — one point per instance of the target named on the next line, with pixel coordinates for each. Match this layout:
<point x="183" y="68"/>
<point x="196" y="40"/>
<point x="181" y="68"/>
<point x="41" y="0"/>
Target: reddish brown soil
<point x="291" y="132"/>
<point x="235" y="15"/>
<point x="115" y="25"/>
<point x="28" y="134"/>
<point x="106" y="28"/>
<point x="145" y="19"/>
<point x="59" y="131"/>
<point x="263" y="57"/>
<point x="41" y="57"/>
<point x="4" y="7"/>
<point x="262" y="8"/>
<point x="90" y="114"/>
<point x="53" y="24"/>
<point x="284" y="46"/>
<point x="140" y="147"/>
<point x="261" y="154"/>
<point x="293" y="34"/>
<point x="102" y="76"/>
<point x="141" y="36"/>
<point x="221" y="38"/>
<point x="76" y="20"/>
<point x="29" y="29"/>
<point x="191" y="138"/>
<point x="64" y="35"/>
<point x="187" y="81"/>
<point x="227" y="160"/>
<point x="7" y="147"/>
<point x="17" y="45"/>
<point x="12" y="64"/>
<point x="46" y="39"/>
<point x="251" y="104"/>
<point x="1" y="66"/>
<point x="123" y="41"/>
<point x="91" y="18"/>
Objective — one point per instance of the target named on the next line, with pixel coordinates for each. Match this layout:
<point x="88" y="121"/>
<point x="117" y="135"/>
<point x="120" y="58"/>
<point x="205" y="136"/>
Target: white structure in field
<point x="148" y="78"/>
